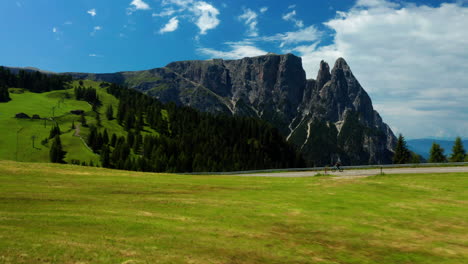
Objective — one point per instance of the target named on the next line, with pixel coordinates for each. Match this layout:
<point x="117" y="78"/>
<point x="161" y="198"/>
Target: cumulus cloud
<point x="237" y="50"/>
<point x="92" y="12"/>
<point x="201" y="13"/>
<point x="409" y="58"/>
<point x="171" y="26"/>
<point x="207" y="16"/>
<point x="291" y="16"/>
<point x="54" y="29"/>
<point x="249" y="18"/>
<point x="137" y="5"/>
<point x="263" y="9"/>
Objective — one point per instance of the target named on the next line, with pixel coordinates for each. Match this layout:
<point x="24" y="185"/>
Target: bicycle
<point x="334" y="168"/>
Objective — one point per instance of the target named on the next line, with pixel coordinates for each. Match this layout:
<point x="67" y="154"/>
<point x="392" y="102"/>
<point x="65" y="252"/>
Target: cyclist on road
<point x="338" y="165"/>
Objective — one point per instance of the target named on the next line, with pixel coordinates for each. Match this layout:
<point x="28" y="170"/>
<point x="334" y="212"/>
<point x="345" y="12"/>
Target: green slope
<point x="67" y="214"/>
<point x="16" y="140"/>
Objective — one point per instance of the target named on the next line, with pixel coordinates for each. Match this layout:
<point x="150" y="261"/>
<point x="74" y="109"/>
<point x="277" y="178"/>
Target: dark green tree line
<point x="34" y="81"/>
<point x="188" y="140"/>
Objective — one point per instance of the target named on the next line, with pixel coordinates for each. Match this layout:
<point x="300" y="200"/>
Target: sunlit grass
<point x="68" y="214"/>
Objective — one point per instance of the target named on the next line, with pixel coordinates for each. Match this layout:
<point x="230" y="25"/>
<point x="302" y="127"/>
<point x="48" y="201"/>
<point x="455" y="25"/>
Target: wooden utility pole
<point x="17" y="142"/>
<point x="33" y="138"/>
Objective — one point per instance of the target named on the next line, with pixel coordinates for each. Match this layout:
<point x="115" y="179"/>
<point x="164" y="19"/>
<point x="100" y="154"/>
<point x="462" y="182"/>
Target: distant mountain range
<point x="423" y="146"/>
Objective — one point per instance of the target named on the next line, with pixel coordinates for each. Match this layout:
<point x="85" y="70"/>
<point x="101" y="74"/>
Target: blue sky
<point x="410" y="56"/>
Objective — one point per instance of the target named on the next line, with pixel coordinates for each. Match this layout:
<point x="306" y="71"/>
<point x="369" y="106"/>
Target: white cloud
<point x="308" y="34"/>
<point x="376" y="4"/>
<point x="410" y="58"/>
<point x="95" y="30"/>
<point x="291" y="16"/>
<point x="92" y="12"/>
<point x="171" y="26"/>
<point x="201" y="13"/>
<point x="291" y="6"/>
<point x="68" y="23"/>
<point x="58" y="34"/>
<point x="140" y="5"/>
<point x="249" y="18"/>
<point x="263" y="9"/>
<point x="136" y="5"/>
<point x="207" y="16"/>
<point x="237" y="50"/>
<point x="165" y="12"/>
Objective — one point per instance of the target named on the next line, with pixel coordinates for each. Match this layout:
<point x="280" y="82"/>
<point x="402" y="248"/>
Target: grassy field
<point x="53" y="213"/>
<point x="16" y="141"/>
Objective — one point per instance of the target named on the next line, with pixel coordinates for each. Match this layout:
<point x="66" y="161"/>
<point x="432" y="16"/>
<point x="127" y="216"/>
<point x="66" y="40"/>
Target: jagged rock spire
<point x="323" y="75"/>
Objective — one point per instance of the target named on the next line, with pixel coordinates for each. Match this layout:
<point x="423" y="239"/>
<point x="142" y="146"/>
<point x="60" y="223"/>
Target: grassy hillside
<point x="53" y="213"/>
<point x="16" y="140"/>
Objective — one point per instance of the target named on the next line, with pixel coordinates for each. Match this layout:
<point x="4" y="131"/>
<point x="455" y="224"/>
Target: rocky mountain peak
<point x="323" y="75"/>
<point x="274" y="88"/>
<point x="341" y="63"/>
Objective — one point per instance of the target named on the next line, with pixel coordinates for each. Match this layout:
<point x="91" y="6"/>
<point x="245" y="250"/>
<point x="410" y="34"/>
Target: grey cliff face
<point x="274" y="88"/>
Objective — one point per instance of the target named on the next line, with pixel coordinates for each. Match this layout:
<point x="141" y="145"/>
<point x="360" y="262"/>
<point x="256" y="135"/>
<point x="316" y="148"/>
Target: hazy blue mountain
<point x="423" y="146"/>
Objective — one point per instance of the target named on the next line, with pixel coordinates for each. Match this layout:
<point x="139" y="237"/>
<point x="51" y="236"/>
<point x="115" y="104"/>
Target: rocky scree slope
<point x="328" y="118"/>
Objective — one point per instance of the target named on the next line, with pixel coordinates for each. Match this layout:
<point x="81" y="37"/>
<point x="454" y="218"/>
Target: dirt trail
<point x="77" y="130"/>
<point x="361" y="173"/>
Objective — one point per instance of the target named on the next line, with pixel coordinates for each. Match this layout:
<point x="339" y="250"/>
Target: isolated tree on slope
<point x="402" y="154"/>
<point x="437" y="154"/>
<point x="56" y="153"/>
<point x="458" y="151"/>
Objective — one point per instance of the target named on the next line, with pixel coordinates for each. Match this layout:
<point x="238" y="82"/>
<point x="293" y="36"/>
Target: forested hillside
<point x="102" y="124"/>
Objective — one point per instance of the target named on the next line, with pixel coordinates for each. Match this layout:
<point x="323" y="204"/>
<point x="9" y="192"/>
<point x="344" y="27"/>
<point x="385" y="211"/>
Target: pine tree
<point x="437" y="154"/>
<point x="4" y="94"/>
<point x="110" y="112"/>
<point x="113" y="140"/>
<point x="105" y="137"/>
<point x="105" y="157"/>
<point x="56" y="153"/>
<point x="54" y="131"/>
<point x="415" y="158"/>
<point x="83" y="120"/>
<point x="402" y="154"/>
<point x="458" y="151"/>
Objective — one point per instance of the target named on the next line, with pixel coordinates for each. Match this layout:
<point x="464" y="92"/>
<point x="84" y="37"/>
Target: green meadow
<point x="51" y="213"/>
<point x="16" y="142"/>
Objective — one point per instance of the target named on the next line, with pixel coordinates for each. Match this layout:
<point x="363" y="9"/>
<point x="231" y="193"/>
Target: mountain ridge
<point x="275" y="88"/>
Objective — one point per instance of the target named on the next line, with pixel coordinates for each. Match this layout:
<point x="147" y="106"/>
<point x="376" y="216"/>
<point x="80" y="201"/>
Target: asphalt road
<point x="360" y="173"/>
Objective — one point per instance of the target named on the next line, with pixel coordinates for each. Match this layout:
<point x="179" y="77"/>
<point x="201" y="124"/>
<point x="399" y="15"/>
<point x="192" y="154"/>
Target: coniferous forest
<point x="187" y="139"/>
<point x="36" y="82"/>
